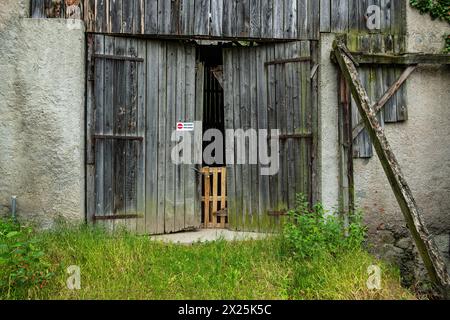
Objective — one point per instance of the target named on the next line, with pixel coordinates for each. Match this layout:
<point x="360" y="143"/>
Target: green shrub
<point x="22" y="263"/>
<point x="438" y="9"/>
<point x="310" y="233"/>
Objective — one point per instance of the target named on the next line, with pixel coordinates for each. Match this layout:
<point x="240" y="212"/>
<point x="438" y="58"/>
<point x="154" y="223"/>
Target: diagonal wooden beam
<point x="386" y="97"/>
<point x="426" y="246"/>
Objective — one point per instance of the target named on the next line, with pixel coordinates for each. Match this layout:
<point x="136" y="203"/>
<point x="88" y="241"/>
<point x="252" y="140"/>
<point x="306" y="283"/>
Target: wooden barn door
<point x="137" y="92"/>
<point x="271" y="87"/>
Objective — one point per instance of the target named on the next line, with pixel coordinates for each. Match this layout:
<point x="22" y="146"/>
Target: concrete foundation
<point x="42" y="68"/>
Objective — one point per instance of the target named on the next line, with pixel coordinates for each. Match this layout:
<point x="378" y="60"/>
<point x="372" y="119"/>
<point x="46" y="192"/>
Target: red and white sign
<point x="185" y="126"/>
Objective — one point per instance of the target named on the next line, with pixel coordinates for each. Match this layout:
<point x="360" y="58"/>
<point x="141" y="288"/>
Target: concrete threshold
<point x="208" y="235"/>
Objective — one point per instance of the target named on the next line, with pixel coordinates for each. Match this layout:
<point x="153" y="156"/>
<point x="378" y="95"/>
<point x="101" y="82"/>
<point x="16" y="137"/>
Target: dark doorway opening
<point x="213" y="95"/>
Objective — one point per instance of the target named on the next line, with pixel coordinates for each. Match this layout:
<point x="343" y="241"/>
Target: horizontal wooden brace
<point x="277" y="213"/>
<point x="403" y="59"/>
<point x="121" y="58"/>
<point x="112" y="137"/>
<point x="117" y="217"/>
<point x="284" y="61"/>
<point x="294" y="136"/>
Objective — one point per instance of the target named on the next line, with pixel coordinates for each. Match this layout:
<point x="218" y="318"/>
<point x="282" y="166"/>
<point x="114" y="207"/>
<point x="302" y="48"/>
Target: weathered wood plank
<point x="217" y="15"/>
<point x="254" y="168"/>
<point x="262" y="123"/>
<point x="266" y="18"/>
<point x="141" y="131"/>
<point x="255" y="18"/>
<point x="278" y="19"/>
<point x="198" y="136"/>
<point x="171" y="120"/>
<point x="325" y="15"/>
<point x="180" y="115"/>
<point x="190" y="180"/>
<point x="108" y="128"/>
<point x="238" y="200"/>
<point x="164" y="16"/>
<point x="339" y="16"/>
<point x="151" y="17"/>
<point x="38" y="9"/>
<point x="99" y="111"/>
<point x="119" y="128"/>
<point x="202" y="24"/>
<point x="115" y="16"/>
<point x="425" y="244"/>
<point x="291" y="19"/>
<point x="162" y="135"/>
<point x="154" y="219"/>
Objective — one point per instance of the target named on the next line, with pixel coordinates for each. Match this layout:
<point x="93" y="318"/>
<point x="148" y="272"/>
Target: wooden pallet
<point x="214" y="200"/>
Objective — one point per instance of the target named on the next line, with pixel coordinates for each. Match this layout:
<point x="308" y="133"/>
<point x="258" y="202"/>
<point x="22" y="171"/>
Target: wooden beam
<point x="386" y="97"/>
<point x="426" y="246"/>
<point x="403" y="59"/>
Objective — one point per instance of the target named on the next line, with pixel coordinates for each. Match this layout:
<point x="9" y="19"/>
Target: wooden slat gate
<point x="214" y="200"/>
<point x="137" y="91"/>
<point x="271" y="87"/>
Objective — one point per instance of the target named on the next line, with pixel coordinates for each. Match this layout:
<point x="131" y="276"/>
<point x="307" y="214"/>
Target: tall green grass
<point x="315" y="257"/>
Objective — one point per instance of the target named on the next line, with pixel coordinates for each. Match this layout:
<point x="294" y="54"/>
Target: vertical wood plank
<point x="151" y="17"/>
<point x="190" y="180"/>
<point x="141" y="131"/>
<point x="253" y="167"/>
<point x="229" y="124"/>
<point x="115" y="16"/>
<point x="278" y="19"/>
<point x="267" y="18"/>
<point x="99" y="122"/>
<point x="154" y="218"/>
<point x="164" y="16"/>
<point x="325" y="15"/>
<point x="202" y="9"/>
<point x="290" y="19"/>
<point x="198" y="136"/>
<point x="207" y="186"/>
<point x="170" y="126"/>
<point x="223" y="190"/>
<point x="339" y="16"/>
<point x="261" y="78"/>
<point x="217" y="15"/>
<point x="180" y="116"/>
<point x="162" y="119"/>
<point x="255" y="18"/>
<point x="108" y="130"/>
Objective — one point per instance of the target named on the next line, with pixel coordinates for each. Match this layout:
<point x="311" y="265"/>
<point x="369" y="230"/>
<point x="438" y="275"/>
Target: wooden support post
<point x="426" y="246"/>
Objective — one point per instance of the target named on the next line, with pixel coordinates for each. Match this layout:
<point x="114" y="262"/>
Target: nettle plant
<point x="311" y="232"/>
<point x="437" y="9"/>
<point x="23" y="265"/>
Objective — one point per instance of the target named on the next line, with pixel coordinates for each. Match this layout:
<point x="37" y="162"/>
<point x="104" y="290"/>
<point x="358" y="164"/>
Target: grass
<point x="125" y="266"/>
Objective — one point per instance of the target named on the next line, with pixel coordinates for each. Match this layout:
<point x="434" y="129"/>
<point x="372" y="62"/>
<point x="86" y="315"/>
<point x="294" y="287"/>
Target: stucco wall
<point x="41" y="115"/>
<point x="422" y="148"/>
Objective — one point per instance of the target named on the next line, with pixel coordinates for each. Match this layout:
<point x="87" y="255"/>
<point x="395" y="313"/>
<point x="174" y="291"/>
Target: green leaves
<point x="23" y="263"/>
<point x="312" y="232"/>
<point x="438" y="9"/>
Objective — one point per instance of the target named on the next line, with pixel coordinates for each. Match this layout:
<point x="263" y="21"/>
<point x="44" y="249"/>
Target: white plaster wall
<point x="328" y="124"/>
<point x="42" y="87"/>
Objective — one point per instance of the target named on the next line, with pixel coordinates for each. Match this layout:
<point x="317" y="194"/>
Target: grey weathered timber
<point x="284" y="97"/>
<point x="426" y="246"/>
<point x="385" y="98"/>
<point x="401" y="59"/>
<point x="136" y="100"/>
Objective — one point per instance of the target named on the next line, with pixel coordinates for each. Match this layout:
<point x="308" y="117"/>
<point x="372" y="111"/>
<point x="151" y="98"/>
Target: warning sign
<point x="185" y="126"/>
